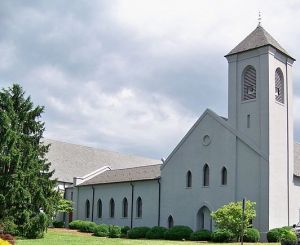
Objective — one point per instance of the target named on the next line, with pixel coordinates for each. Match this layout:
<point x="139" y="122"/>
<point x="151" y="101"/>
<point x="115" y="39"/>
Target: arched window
<point x="189" y="179"/>
<point x="224" y="176"/>
<point x="205" y="175"/>
<point x="249" y="83"/>
<point x="99" y="209"/>
<point x="170" y="222"/>
<point x="87" y="209"/>
<point x="112" y="208"/>
<point x="125" y="208"/>
<point x="279" y="86"/>
<point x="139" y="207"/>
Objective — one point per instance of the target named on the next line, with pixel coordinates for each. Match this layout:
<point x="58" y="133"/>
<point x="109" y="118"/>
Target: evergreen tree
<point x="27" y="193"/>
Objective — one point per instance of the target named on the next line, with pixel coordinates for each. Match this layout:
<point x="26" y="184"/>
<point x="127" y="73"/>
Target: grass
<point x="63" y="237"/>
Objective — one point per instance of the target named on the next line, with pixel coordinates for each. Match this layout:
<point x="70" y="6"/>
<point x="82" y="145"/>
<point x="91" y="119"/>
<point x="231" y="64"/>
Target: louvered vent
<point x="249" y="84"/>
<point x="279" y="86"/>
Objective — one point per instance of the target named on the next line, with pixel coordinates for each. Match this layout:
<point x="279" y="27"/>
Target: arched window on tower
<point x="125" y="208"/>
<point x="99" y="209"/>
<point x="279" y="86"/>
<point x="188" y="179"/>
<point x="112" y="208"/>
<point x="224" y="176"/>
<point x="205" y="175"/>
<point x="249" y="83"/>
<point x="87" y="209"/>
<point x="139" y="207"/>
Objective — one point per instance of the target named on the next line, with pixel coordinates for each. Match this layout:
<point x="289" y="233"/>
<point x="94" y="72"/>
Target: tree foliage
<point x="229" y="217"/>
<point x="26" y="187"/>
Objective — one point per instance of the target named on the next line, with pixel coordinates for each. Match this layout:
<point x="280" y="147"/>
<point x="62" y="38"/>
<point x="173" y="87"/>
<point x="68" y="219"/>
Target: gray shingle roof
<point x="71" y="160"/>
<point x="258" y="38"/>
<point x="126" y="175"/>
<point x="297" y="159"/>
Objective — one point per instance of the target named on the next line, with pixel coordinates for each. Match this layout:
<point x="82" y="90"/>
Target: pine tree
<point x="27" y="191"/>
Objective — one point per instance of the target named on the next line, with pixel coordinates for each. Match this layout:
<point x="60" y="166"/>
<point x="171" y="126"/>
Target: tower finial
<point x="259" y="18"/>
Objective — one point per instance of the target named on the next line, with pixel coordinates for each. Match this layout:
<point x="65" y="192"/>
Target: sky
<point x="133" y="75"/>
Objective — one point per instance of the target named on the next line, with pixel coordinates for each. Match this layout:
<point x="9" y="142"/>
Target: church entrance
<point x="204" y="220"/>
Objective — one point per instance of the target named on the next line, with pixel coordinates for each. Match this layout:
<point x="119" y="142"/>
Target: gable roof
<point x="226" y="125"/>
<point x="297" y="159"/>
<point x="71" y="160"/>
<point x="258" y="38"/>
<point x="126" y="175"/>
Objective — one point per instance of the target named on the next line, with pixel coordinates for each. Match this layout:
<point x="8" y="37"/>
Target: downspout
<point x="159" y="193"/>
<point x="131" y="215"/>
<point x="93" y="199"/>
<point x="288" y="141"/>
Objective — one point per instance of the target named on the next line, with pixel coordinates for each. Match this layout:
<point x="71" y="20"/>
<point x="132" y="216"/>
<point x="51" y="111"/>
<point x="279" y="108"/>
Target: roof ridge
<point x="143" y="166"/>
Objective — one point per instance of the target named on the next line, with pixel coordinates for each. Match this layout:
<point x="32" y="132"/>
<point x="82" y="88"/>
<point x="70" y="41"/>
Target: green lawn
<point x="56" y="237"/>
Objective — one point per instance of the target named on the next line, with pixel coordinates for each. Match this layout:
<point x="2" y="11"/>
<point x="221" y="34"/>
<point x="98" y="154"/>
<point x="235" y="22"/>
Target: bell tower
<point x="260" y="92"/>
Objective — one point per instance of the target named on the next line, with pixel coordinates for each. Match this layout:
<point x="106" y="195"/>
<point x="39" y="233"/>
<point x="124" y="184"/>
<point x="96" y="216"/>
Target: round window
<point x="206" y="140"/>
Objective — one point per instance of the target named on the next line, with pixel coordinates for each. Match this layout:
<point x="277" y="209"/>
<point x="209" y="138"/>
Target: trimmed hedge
<point x="124" y="231"/>
<point x="251" y="235"/>
<point x="58" y="224"/>
<point x="274" y="235"/>
<point x="178" y="232"/>
<point x="202" y="235"/>
<point x="87" y="226"/>
<point x="114" y="231"/>
<point x="75" y="225"/>
<point x="101" y="230"/>
<point x="138" y="232"/>
<point x="288" y="237"/>
<point x="156" y="232"/>
<point x="222" y="235"/>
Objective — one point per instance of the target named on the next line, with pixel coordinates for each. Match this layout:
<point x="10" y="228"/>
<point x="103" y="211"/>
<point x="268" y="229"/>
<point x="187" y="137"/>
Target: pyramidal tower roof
<point x="258" y="38"/>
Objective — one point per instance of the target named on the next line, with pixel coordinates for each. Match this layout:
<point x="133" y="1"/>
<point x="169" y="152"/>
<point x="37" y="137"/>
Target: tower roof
<point x="258" y="38"/>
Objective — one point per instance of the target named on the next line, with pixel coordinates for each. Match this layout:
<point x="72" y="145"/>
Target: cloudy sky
<point x="133" y="75"/>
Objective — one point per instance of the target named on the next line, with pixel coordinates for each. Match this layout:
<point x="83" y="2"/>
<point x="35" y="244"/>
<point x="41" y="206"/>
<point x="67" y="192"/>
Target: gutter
<point x="159" y="194"/>
<point x="288" y="142"/>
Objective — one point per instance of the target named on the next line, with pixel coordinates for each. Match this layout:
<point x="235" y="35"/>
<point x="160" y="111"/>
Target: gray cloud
<point x="130" y="76"/>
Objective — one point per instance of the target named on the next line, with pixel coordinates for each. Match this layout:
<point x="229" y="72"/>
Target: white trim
<point x="80" y="180"/>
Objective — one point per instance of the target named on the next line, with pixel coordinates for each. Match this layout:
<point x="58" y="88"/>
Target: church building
<point x="251" y="154"/>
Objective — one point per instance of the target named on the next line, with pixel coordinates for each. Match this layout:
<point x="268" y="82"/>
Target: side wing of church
<point x="248" y="155"/>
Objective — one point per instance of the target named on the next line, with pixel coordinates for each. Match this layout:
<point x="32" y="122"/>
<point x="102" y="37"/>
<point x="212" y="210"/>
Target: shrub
<point x="156" y="232"/>
<point x="202" y="235"/>
<point x="58" y="224"/>
<point x="274" y="235"/>
<point x="251" y="235"/>
<point x="9" y="226"/>
<point x="138" y="232"/>
<point x="75" y="225"/>
<point x="178" y="232"/>
<point x="36" y="226"/>
<point x="101" y="230"/>
<point x="87" y="226"/>
<point x="222" y="235"/>
<point x="124" y="231"/>
<point x="114" y="231"/>
<point x="288" y="237"/>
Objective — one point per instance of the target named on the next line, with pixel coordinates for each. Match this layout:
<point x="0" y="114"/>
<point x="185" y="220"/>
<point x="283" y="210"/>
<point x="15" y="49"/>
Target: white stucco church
<point x="250" y="154"/>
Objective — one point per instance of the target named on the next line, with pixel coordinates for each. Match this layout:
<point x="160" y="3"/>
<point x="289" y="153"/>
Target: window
<point x="249" y="83"/>
<point x="125" y="208"/>
<point x="205" y="175"/>
<point x="112" y="208"/>
<point x="99" y="209"/>
<point x="87" y="209"/>
<point x="189" y="179"/>
<point x="139" y="207"/>
<point x="71" y="195"/>
<point x="224" y="176"/>
<point x="170" y="222"/>
<point x="248" y="121"/>
<point x="279" y="86"/>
